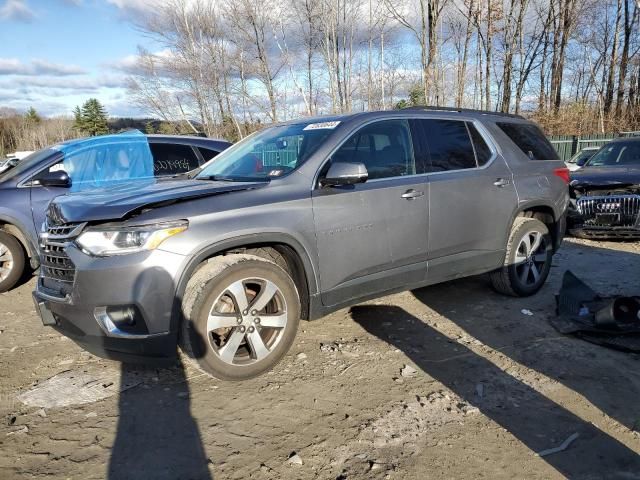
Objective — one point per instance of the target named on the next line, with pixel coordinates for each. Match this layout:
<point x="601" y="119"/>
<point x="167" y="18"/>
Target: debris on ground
<point x="408" y="371"/>
<point x="301" y="356"/>
<point x="294" y="459"/>
<point x="609" y="321"/>
<point x="72" y="387"/>
<point x="563" y="446"/>
<point x="527" y="312"/>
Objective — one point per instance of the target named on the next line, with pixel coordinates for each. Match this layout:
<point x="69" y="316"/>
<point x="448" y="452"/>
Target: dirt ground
<point x="486" y="387"/>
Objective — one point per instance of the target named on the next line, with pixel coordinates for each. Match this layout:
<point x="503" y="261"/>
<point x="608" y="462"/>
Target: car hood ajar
<point x="117" y="202"/>
<point x="606" y="177"/>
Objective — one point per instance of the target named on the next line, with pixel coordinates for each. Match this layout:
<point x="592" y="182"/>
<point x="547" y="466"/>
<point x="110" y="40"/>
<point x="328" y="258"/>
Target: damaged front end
<point x="604" y="211"/>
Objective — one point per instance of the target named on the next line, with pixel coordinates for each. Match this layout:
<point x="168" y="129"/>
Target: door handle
<point x="501" y="182"/>
<point x="411" y="194"/>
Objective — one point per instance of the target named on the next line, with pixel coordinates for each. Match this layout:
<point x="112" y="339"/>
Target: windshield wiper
<point x="222" y="178"/>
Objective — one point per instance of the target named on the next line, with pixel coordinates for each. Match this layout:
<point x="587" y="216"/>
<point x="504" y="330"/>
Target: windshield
<point x="582" y="156"/>
<point x="272" y="152"/>
<point x="617" y="154"/>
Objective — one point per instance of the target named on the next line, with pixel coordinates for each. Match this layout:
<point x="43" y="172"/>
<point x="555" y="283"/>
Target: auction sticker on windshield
<point x="317" y="126"/>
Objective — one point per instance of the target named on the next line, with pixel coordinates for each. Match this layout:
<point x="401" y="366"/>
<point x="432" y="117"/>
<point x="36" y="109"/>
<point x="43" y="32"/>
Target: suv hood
<point x="119" y="201"/>
<point x="604" y="180"/>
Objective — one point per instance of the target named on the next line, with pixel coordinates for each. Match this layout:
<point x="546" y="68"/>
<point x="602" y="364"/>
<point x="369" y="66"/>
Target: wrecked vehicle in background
<point x="83" y="164"/>
<point x="605" y="193"/>
<point x="579" y="159"/>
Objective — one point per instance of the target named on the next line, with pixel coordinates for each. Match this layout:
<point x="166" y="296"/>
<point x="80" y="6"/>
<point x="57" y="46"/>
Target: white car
<point x="12" y="160"/>
<point x="579" y="159"/>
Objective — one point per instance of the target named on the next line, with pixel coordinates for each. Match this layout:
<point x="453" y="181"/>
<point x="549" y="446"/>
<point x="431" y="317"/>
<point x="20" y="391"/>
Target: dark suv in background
<point x="75" y="165"/>
<point x="296" y="221"/>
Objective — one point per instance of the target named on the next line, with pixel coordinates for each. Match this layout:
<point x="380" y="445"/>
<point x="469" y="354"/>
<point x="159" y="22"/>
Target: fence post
<point x="574" y="145"/>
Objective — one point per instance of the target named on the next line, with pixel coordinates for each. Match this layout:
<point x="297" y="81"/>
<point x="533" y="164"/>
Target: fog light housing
<point x="121" y="321"/>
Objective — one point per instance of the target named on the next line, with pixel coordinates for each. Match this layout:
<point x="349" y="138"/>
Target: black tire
<point x="16" y="266"/>
<point x="209" y="288"/>
<point x="518" y="278"/>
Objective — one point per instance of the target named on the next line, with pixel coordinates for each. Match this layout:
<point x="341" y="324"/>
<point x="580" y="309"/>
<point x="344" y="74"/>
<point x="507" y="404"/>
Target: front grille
<point x="57" y="271"/>
<point x="610" y="210"/>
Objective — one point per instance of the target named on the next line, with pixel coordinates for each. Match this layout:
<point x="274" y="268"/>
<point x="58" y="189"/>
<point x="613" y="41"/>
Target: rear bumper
<point x="144" y="282"/>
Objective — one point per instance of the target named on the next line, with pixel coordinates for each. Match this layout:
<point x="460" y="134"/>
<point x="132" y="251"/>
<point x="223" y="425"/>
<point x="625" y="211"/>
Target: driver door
<point x="372" y="236"/>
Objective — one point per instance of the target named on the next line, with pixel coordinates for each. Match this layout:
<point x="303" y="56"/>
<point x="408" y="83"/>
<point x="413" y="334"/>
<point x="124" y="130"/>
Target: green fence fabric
<point x="568" y="145"/>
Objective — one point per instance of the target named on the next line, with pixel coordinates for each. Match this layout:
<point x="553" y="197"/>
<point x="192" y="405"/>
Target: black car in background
<point x="605" y="193"/>
<point x="84" y="164"/>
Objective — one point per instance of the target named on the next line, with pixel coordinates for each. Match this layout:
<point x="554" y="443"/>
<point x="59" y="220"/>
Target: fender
<point x="193" y="261"/>
<point x="18" y="230"/>
<point x="558" y="218"/>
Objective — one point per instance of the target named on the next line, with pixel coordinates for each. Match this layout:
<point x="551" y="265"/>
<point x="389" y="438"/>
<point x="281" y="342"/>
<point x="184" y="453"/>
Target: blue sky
<point x="55" y="54"/>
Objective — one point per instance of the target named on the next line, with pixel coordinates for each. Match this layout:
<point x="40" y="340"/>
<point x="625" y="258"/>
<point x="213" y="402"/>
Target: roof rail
<point x="462" y="110"/>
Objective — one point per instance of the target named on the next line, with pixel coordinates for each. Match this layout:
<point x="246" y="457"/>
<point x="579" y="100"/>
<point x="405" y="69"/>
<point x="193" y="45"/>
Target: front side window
<point x="272" y="152"/>
<point x="383" y="147"/>
<point x="530" y="139"/>
<point x="102" y="161"/>
<point x="616" y="154"/>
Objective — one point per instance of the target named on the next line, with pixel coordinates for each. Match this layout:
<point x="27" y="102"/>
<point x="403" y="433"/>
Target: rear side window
<point x="171" y="159"/>
<point x="207" y="153"/>
<point x="449" y="145"/>
<point x="530" y="139"/>
<point x="384" y="147"/>
<point x="483" y="152"/>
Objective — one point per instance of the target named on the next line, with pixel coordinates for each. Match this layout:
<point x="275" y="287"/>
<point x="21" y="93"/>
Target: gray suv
<point x="297" y="221"/>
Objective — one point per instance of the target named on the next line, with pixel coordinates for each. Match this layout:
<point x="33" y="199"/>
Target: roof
<point x="137" y="134"/>
<point x="447" y="111"/>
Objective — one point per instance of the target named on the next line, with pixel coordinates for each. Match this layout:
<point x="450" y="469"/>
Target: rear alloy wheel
<point x="527" y="260"/>
<point x="11" y="261"/>
<point x="241" y="314"/>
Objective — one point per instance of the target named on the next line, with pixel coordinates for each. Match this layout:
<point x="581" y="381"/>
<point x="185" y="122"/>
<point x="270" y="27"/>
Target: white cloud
<point x="16" y="10"/>
<point x="133" y="64"/>
<point x="13" y="66"/>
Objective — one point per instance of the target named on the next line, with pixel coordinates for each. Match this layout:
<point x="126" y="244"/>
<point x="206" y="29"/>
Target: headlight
<point x="108" y="241"/>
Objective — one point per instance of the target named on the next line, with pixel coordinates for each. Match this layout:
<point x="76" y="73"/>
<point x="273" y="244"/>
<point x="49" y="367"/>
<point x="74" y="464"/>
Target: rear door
<point x="471" y="198"/>
<point x="372" y="236"/>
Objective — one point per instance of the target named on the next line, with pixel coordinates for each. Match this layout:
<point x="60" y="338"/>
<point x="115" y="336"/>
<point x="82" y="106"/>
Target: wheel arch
<point x="297" y="257"/>
<point x="547" y="215"/>
<point x="13" y="227"/>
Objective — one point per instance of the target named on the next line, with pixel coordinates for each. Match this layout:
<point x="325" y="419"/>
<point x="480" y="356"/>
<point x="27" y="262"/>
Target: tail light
<point x="563" y="173"/>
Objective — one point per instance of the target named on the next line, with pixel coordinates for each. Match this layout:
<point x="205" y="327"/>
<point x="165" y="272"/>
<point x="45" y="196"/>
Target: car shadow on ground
<point x="157" y="437"/>
<point x="535" y="420"/>
<point x="608" y="379"/>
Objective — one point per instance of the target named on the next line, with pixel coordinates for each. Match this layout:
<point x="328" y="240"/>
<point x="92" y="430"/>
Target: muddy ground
<point x="486" y="387"/>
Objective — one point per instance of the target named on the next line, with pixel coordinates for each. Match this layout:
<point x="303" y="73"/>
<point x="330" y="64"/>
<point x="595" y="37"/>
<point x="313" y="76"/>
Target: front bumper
<point x="604" y="233"/>
<point x="621" y="224"/>
<point x="144" y="281"/>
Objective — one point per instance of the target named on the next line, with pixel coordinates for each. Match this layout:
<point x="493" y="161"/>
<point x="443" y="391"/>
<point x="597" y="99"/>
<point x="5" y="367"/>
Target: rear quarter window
<point x="530" y="139"/>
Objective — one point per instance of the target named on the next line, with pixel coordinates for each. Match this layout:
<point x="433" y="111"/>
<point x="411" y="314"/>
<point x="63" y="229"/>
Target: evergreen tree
<point x="78" y="121"/>
<point x="32" y="116"/>
<point x="92" y="118"/>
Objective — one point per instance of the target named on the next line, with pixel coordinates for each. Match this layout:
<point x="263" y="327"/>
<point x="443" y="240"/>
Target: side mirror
<point x="343" y="173"/>
<point x="59" y="179"/>
<point x="581" y="161"/>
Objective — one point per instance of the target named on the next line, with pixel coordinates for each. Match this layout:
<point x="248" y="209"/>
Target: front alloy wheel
<point x="241" y="314"/>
